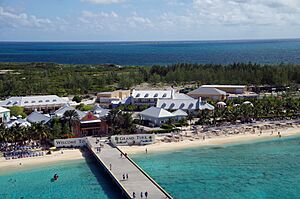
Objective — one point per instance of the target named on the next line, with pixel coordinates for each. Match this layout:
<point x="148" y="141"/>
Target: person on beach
<point x="141" y="194"/>
<point x="123" y="176"/>
<point x="109" y="166"/>
<point x="121" y="155"/>
<point x="127" y="176"/>
<point x="146" y="150"/>
<point x="146" y="194"/>
<point x="279" y="135"/>
<point x="204" y="138"/>
<point x="133" y="195"/>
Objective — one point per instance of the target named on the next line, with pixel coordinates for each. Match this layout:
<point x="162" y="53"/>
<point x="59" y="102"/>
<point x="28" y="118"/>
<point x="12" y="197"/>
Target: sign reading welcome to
<point x="71" y="142"/>
<point x="138" y="139"/>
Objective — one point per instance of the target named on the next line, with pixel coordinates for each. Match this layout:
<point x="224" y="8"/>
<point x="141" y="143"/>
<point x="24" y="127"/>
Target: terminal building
<point x="45" y="103"/>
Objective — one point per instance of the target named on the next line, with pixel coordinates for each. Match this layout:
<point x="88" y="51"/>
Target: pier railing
<point x="111" y="174"/>
<point x="141" y="170"/>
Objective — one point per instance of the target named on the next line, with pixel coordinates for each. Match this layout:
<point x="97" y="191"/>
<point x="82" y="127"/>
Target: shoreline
<point x="214" y="141"/>
<point x="10" y="166"/>
<point x="13" y="165"/>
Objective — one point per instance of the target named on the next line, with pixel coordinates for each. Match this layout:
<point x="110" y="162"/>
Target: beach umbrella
<point x="248" y="103"/>
<point x="13" y="118"/>
<point x="221" y="104"/>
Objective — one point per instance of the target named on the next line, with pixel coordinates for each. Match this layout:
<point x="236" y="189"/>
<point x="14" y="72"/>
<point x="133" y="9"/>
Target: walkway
<point x="138" y="181"/>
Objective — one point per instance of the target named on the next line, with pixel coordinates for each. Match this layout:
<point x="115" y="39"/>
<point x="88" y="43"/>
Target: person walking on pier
<point x="110" y="167"/>
<point x="127" y="176"/>
<point x="146" y="194"/>
<point x="141" y="194"/>
<point x="123" y="176"/>
<point x="133" y="195"/>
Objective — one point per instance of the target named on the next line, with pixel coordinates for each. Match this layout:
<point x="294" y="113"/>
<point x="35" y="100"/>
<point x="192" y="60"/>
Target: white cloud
<point x="103" y="1"/>
<point x="112" y="21"/>
<point x="246" y="12"/>
<point x="14" y="20"/>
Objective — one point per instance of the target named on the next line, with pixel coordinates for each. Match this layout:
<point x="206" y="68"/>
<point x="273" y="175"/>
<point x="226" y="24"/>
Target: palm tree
<point x="39" y="131"/>
<point x="71" y="116"/>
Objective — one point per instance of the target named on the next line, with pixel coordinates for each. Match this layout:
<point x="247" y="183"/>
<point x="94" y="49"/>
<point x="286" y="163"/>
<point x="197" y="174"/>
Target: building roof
<point x="2" y="110"/>
<point x="164" y="94"/>
<point x="100" y="112"/>
<point x="181" y="96"/>
<point x="225" y="86"/>
<point x="39" y="100"/>
<point x="206" y="106"/>
<point x="36" y="117"/>
<point x="21" y="122"/>
<point x="60" y="112"/>
<point x="180" y="112"/>
<point x="156" y="113"/>
<point x="184" y="104"/>
<point x="207" y="91"/>
<point x="175" y="104"/>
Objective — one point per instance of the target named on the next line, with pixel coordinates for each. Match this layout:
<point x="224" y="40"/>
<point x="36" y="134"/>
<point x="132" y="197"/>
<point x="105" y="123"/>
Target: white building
<point x="149" y="97"/>
<point x="208" y="93"/>
<point x="45" y="103"/>
<point x="155" y="116"/>
<point x="4" y="115"/>
<point x="183" y="104"/>
<point x="232" y="89"/>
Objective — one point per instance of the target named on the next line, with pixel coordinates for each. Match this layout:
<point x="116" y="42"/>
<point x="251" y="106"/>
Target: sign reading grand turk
<point x="71" y="142"/>
<point x="137" y="139"/>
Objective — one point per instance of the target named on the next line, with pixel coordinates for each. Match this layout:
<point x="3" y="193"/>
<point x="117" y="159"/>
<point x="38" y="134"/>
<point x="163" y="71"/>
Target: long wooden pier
<point x="116" y="165"/>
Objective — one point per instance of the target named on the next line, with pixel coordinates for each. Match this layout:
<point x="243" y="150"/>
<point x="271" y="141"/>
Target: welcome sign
<point x="71" y="142"/>
<point x="138" y="139"/>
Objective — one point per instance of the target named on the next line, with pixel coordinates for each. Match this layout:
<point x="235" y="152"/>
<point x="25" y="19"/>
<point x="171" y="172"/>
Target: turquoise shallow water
<point x="78" y="179"/>
<point x="259" y="170"/>
<point x="269" y="169"/>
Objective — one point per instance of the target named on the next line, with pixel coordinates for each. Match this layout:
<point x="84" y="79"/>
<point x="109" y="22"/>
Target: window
<point x="33" y="101"/>
<point x="26" y="102"/>
<point x="146" y="95"/>
<point x="54" y="100"/>
<point x="156" y="95"/>
<point x="47" y="100"/>
<point x="164" y="95"/>
<point x="40" y="101"/>
<point x="137" y="95"/>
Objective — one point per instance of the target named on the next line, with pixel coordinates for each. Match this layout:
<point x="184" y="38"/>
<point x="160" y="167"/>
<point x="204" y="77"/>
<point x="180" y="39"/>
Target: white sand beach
<point x="25" y="163"/>
<point x="185" y="139"/>
<point x="215" y="140"/>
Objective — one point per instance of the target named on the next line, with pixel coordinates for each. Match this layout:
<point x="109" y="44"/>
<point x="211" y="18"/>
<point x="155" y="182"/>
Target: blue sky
<point x="141" y="20"/>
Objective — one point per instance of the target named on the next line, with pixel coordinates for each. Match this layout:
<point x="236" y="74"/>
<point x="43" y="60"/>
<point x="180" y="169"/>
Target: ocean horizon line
<point x="153" y="41"/>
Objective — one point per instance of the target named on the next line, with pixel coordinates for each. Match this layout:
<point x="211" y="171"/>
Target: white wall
<point x="138" y="139"/>
<point x="71" y="142"/>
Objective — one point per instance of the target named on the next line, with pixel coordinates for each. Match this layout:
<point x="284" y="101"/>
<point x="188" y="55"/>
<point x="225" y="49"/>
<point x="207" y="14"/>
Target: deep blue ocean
<point x="260" y="170"/>
<point x="150" y="53"/>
